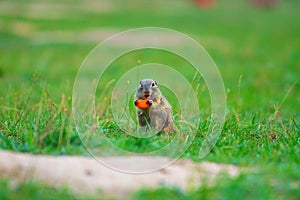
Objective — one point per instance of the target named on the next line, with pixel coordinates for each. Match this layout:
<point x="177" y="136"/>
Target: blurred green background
<point x="51" y="39"/>
<point x="257" y="50"/>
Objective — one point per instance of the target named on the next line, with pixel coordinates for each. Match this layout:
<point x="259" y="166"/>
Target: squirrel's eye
<point x="153" y="84"/>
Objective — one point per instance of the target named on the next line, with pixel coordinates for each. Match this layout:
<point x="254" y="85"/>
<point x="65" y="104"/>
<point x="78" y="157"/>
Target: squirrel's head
<point x="147" y="87"/>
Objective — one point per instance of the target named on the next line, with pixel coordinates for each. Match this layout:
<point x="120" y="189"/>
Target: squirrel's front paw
<point x="150" y="102"/>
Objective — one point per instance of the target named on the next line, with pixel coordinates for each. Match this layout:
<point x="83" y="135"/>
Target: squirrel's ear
<point x="155" y="82"/>
<point x="141" y="83"/>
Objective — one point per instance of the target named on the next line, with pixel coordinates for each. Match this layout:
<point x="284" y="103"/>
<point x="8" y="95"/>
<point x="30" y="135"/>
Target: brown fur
<point x="159" y="115"/>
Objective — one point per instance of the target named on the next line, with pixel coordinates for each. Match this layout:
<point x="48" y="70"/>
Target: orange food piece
<point x="142" y="103"/>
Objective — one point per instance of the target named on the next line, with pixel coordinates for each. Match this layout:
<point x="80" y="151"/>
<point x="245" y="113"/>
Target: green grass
<point x="31" y="190"/>
<point x="257" y="52"/>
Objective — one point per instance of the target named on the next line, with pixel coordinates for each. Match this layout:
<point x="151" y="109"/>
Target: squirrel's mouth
<point x="146" y="96"/>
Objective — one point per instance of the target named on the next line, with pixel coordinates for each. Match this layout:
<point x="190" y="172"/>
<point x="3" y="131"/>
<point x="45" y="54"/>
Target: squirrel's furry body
<point x="159" y="114"/>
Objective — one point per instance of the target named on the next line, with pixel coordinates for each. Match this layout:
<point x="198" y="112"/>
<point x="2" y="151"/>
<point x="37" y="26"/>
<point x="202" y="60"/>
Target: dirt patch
<point x="86" y="176"/>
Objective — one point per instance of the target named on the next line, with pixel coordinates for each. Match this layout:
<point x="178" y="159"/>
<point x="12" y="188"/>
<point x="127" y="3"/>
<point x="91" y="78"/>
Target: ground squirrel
<point x="158" y="116"/>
